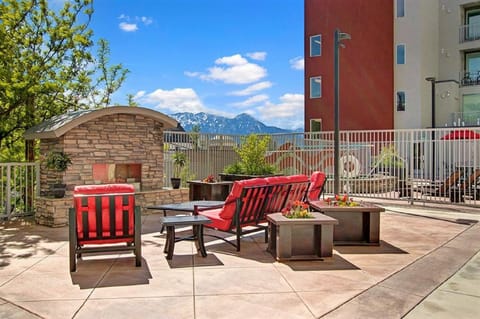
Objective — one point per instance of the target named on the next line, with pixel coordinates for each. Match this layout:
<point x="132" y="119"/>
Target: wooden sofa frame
<point x="103" y="217"/>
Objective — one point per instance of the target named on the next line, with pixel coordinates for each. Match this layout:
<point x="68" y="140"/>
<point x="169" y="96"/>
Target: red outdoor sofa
<point x="245" y="209"/>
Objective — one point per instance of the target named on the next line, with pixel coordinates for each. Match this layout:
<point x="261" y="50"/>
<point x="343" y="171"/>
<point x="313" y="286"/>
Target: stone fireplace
<point x="110" y="145"/>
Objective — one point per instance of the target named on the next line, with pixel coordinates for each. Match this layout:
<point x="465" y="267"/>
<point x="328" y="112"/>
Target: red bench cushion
<point x="218" y="221"/>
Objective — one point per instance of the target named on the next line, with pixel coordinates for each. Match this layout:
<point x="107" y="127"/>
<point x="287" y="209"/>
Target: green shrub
<point x="252" y="152"/>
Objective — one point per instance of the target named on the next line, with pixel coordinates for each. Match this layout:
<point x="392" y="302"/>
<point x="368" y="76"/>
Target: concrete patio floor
<point x="427" y="266"/>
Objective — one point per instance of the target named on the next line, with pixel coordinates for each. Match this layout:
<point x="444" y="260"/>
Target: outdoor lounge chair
<point x="104" y="219"/>
<point x="443" y="188"/>
<point x="470" y="186"/>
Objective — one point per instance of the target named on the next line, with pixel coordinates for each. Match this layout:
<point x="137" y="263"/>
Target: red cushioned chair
<point x="103" y="217"/>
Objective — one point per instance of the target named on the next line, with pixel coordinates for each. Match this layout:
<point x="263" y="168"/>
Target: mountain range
<point x="240" y="124"/>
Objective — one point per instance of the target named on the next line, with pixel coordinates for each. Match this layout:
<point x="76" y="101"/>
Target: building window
<point x="400" y="101"/>
<point x="316" y="45"/>
<point x="472" y="21"/>
<point x="315" y="125"/>
<point x="470" y="110"/>
<point x="316" y="87"/>
<point x="400" y="8"/>
<point x="401" y="54"/>
<point x="472" y="62"/>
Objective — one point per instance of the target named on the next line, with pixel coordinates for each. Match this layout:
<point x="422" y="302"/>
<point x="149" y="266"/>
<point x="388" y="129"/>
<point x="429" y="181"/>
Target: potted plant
<point x="252" y="161"/>
<point x="179" y="161"/>
<point x="58" y="161"/>
<point x="389" y="162"/>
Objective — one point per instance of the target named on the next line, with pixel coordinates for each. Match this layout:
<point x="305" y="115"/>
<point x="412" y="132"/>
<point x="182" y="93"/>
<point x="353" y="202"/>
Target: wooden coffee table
<point x="357" y="225"/>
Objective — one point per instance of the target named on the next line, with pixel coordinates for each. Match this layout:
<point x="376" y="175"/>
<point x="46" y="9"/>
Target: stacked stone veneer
<point x="110" y="139"/>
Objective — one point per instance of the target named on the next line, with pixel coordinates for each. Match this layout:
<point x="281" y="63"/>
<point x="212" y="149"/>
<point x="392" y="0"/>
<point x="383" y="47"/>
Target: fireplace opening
<point x="117" y="173"/>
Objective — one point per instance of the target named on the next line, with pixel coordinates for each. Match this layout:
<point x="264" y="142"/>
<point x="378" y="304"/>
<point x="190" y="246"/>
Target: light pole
<point x="339" y="36"/>
<point x="434" y="83"/>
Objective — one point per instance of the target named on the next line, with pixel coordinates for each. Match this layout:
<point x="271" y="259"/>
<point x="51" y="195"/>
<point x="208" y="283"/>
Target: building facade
<point x="408" y="64"/>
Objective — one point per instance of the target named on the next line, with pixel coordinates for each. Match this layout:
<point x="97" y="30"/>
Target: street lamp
<point x="339" y="36"/>
<point x="434" y="83"/>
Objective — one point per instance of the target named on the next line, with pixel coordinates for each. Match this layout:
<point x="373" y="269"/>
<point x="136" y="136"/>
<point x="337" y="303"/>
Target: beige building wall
<point x="430" y="30"/>
<point x="419" y="31"/>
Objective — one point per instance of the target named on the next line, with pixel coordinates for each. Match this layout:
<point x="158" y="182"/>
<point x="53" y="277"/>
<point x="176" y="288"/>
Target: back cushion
<point x="230" y="203"/>
<point x="317" y="182"/>
<point x="103" y="189"/>
<point x="107" y="210"/>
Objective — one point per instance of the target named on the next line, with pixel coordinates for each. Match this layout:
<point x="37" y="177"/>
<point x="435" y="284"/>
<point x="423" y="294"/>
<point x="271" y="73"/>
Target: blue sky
<point x="224" y="57"/>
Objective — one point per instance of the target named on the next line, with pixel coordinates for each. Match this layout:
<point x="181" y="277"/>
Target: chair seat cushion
<point x="104" y="241"/>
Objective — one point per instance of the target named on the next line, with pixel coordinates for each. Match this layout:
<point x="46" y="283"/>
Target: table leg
<point x="199" y="243"/>
<point x="164" y="215"/>
<point x="170" y="243"/>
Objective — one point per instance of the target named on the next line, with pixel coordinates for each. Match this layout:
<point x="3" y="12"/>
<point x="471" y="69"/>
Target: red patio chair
<point x="103" y="218"/>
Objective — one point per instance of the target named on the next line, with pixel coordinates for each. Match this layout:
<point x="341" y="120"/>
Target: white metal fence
<point x="18" y="188"/>
<point x="415" y="165"/>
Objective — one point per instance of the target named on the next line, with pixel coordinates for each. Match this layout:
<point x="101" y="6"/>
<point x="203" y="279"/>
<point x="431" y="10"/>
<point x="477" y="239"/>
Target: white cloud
<point x="252" y="100"/>
<point x="253" y="88"/>
<point x="297" y="63"/>
<point x="128" y="27"/>
<point x="236" y="59"/>
<point x="233" y="69"/>
<point x="257" y="55"/>
<point x="287" y="114"/>
<point x="146" y="20"/>
<point x="139" y="94"/>
<point x="172" y="101"/>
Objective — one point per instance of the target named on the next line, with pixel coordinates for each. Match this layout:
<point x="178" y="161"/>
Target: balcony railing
<point x="465" y="119"/>
<point x="469" y="78"/>
<point x="469" y="32"/>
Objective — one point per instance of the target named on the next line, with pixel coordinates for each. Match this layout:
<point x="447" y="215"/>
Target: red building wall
<point x="366" y="63"/>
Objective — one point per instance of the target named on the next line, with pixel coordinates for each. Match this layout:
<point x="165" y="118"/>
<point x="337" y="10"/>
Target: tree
<point x="47" y="66"/>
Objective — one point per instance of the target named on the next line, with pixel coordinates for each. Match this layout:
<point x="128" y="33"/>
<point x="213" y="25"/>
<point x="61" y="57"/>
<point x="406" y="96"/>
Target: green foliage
<point x="179" y="161"/>
<point x="389" y="157"/>
<point x="252" y="152"/>
<point x="58" y="161"/>
<point x="48" y="65"/>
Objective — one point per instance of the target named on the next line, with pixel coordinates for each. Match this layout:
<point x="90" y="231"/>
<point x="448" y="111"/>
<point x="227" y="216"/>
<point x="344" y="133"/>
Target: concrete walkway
<point x="427" y="266"/>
